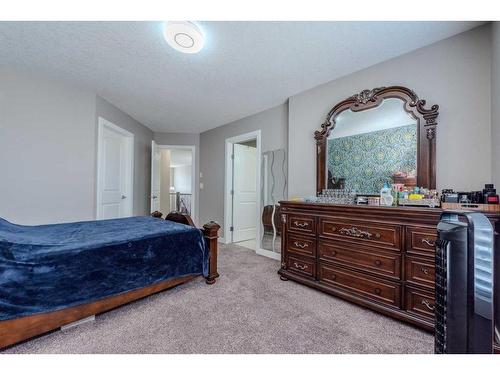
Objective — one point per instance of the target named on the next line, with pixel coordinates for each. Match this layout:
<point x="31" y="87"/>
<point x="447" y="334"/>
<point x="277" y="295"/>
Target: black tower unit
<point x="464" y="283"/>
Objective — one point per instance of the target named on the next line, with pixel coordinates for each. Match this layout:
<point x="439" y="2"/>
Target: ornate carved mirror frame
<point x="426" y="130"/>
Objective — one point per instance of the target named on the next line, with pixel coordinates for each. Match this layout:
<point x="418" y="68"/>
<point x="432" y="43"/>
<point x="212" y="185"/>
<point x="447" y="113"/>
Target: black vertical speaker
<point x="464" y="283"/>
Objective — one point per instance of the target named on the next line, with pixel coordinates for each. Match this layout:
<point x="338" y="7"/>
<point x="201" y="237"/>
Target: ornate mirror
<point x="375" y="136"/>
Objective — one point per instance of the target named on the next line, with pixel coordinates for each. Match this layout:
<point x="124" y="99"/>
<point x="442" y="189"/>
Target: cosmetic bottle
<point x="386" y="198"/>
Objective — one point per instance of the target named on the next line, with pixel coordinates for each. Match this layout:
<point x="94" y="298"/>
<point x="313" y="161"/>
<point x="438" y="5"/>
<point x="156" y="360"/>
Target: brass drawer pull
<point x="358" y="233"/>
<point x="378" y="262"/>
<point x="300" y="225"/>
<point x="377" y="291"/>
<point x="428" y="242"/>
<point x="300" y="245"/>
<point x="333" y="253"/>
<point x="424" y="270"/>
<point x="299" y="266"/>
<point x="427" y="304"/>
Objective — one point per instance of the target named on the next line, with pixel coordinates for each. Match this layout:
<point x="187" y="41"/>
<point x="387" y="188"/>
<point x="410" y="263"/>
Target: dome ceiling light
<point x="184" y="36"/>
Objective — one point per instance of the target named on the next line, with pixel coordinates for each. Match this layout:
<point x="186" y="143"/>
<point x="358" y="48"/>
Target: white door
<point x="244" y="193"/>
<point x="155" y="176"/>
<point x="114" y="180"/>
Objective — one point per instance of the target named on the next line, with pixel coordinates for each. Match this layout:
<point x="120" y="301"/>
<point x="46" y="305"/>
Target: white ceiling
<point x="245" y="67"/>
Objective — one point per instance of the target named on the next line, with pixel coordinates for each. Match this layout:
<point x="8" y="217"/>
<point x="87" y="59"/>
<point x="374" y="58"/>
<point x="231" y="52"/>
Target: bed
<point x="54" y="275"/>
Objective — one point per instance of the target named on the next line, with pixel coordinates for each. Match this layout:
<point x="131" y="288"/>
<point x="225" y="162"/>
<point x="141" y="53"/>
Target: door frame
<point x="194" y="208"/>
<point x="129" y="137"/>
<point x="228" y="179"/>
<point x="154" y="146"/>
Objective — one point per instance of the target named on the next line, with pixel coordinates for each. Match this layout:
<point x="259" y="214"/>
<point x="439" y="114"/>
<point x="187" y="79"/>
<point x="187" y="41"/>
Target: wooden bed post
<point x="210" y="232"/>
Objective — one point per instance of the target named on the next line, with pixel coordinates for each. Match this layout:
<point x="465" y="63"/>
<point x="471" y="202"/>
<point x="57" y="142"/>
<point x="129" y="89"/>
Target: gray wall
<point x="47" y="150"/>
<point x="495" y="103"/>
<point x="185" y="139"/>
<point x="48" y="134"/>
<point x="142" y="152"/>
<point x="454" y="73"/>
<point x="273" y="125"/>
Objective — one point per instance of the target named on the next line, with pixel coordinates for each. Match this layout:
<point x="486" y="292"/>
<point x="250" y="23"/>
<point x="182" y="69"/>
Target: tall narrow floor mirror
<point x="274" y="189"/>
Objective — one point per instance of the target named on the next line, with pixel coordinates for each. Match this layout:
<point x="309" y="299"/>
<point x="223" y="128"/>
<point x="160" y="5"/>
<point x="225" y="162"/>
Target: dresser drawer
<point x="420" y="303"/>
<point x="357" y="283"/>
<point x="380" y="235"/>
<point x="302" y="266"/>
<point x="421" y="241"/>
<point x="420" y="271"/>
<point x="301" y="245"/>
<point x="301" y="224"/>
<point x="364" y="259"/>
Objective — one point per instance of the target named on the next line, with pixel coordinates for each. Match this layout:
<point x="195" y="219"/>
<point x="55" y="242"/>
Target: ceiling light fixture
<point x="184" y="36"/>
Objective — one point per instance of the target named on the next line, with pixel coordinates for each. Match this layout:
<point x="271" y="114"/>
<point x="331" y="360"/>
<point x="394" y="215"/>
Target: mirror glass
<point x="366" y="148"/>
<point x="274" y="189"/>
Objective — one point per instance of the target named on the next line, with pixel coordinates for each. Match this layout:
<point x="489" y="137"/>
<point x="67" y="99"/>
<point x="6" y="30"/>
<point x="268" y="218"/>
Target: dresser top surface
<point x="300" y="204"/>
<point x="425" y="212"/>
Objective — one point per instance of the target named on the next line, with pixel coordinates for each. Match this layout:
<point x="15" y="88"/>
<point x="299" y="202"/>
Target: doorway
<point x="115" y="171"/>
<point x="173" y="179"/>
<point x="242" y="190"/>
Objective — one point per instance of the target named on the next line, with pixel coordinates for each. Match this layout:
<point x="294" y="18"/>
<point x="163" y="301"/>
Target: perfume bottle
<point x="386" y="198"/>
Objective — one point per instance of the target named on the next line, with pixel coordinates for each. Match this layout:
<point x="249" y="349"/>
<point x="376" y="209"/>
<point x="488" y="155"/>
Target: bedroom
<point x="312" y="166"/>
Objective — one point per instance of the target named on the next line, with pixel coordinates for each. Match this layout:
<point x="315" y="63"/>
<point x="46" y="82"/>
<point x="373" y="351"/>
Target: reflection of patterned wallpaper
<point x="368" y="160"/>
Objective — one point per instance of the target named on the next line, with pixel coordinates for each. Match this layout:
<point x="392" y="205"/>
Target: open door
<point x="155" y="176"/>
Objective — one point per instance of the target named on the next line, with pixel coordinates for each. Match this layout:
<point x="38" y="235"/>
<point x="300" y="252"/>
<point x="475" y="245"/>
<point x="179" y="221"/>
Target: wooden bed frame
<point x="16" y="330"/>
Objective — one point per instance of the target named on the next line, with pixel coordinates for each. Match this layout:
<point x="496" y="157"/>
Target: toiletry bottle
<point x="394" y="193"/>
<point x="386" y="198"/>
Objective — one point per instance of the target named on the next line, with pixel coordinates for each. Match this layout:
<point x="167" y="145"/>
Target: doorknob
<point x="124" y="196"/>
<point x="154" y="197"/>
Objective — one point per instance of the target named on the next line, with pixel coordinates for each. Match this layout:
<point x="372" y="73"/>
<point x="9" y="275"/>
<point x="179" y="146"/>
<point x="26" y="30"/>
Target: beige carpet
<point x="248" y="310"/>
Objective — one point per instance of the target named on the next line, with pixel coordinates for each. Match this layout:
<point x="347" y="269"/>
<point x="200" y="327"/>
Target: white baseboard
<point x="269" y="254"/>
<point x="88" y="319"/>
<point x="263" y="252"/>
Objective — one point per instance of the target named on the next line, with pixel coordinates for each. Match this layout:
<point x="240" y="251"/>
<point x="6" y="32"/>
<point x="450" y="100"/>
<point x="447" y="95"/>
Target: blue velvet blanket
<point x="51" y="267"/>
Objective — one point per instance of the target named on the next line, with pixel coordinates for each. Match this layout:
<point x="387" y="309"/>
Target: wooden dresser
<point x="382" y="258"/>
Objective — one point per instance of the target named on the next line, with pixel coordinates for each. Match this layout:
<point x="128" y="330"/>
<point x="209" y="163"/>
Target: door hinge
<point x="231" y="229"/>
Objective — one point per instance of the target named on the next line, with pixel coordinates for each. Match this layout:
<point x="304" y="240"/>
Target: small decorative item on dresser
<point x="490" y="194"/>
<point x="449" y="196"/>
<point x="337" y="196"/>
<point x="432" y="202"/>
<point x="361" y="200"/>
